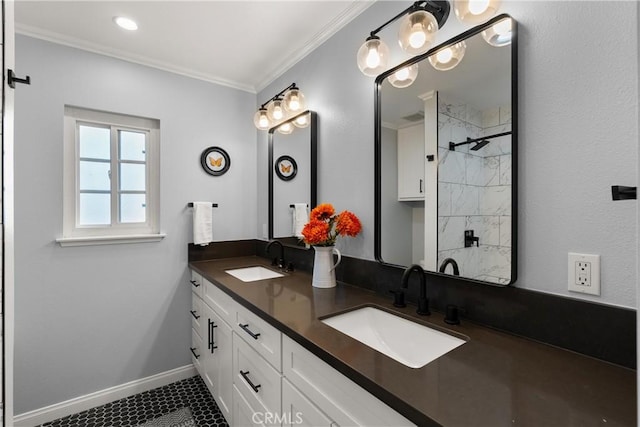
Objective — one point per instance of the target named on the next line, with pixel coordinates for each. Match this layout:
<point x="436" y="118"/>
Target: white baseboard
<point x="91" y="400"/>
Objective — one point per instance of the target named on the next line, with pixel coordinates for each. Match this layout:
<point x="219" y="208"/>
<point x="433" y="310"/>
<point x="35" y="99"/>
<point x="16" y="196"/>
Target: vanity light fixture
<point x="500" y="34"/>
<point x="448" y="57"/>
<point x="279" y="108"/>
<point x="125" y="23"/>
<point x="475" y="11"/>
<point x="420" y="21"/>
<point x="404" y="77"/>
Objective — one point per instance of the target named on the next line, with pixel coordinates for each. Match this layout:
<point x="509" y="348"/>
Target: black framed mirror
<point x="446" y="158"/>
<point x="292" y="176"/>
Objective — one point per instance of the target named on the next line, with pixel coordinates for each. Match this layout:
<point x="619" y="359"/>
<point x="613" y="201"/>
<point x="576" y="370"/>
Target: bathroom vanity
<point x="265" y="353"/>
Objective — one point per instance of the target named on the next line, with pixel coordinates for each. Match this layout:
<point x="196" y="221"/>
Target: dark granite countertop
<point x="494" y="379"/>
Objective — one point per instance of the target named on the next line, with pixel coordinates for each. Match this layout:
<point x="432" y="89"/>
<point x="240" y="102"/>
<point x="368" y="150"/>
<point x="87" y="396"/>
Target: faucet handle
<point x="398" y="298"/>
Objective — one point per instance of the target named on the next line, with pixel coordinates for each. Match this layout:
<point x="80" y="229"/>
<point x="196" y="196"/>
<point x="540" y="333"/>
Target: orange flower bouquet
<point x="325" y="226"/>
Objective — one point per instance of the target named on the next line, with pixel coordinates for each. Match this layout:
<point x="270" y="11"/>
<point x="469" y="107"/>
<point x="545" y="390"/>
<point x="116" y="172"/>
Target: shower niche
<point x="446" y="162"/>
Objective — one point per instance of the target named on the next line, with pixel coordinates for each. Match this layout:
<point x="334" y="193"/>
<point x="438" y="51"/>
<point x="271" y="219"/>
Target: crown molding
<point x="100" y="49"/>
<point x="340" y="21"/>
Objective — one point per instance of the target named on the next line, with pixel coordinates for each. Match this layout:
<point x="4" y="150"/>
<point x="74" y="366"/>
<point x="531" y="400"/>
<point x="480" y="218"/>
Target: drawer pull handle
<point x="195" y="316"/>
<point x="193" y="351"/>
<point x="194" y="283"/>
<point x="246" y="378"/>
<point x="245" y="327"/>
<point x="211" y="344"/>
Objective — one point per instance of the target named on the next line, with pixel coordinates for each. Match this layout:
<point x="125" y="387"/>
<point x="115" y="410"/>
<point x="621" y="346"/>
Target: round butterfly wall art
<point x="286" y="168"/>
<point x="215" y="161"/>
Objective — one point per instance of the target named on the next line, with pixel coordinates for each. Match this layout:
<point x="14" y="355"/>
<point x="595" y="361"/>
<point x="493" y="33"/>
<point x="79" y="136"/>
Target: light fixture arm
<point x="438" y="8"/>
<point x="279" y="94"/>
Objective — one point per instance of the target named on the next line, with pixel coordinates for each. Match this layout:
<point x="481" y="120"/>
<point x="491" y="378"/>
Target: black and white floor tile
<point x="140" y="408"/>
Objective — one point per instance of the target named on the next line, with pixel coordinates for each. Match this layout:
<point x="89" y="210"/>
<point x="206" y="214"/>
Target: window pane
<point x="94" y="176"/>
<point x="132" y="177"/>
<point x="95" y="209"/>
<point x="95" y="142"/>
<point x="132" y="146"/>
<point x="133" y="208"/>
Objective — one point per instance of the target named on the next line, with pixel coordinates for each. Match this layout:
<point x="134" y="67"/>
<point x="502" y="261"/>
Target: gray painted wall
<point x="578" y="96"/>
<point x="94" y="317"/>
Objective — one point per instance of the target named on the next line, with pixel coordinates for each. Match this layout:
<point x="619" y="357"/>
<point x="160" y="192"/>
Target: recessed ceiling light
<point x="126" y="23"/>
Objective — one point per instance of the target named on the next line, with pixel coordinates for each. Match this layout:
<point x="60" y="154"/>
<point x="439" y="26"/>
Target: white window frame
<point x="75" y="234"/>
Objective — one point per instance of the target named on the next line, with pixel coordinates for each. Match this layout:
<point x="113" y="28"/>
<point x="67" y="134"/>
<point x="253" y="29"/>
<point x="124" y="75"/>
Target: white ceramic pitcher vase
<point x="324" y="269"/>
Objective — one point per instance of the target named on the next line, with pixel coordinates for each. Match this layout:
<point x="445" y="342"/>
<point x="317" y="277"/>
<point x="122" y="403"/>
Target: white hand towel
<point x="202" y="223"/>
<point x="300" y="218"/>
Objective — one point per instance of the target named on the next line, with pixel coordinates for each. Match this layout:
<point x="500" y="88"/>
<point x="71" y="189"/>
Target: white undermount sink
<point x="409" y="343"/>
<point x="252" y="274"/>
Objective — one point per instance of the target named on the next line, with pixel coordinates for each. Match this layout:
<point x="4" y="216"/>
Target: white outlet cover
<point x="592" y="272"/>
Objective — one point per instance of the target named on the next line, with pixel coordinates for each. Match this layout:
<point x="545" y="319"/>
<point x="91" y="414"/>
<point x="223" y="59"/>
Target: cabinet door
<point x="411" y="160"/>
<point x="217" y="362"/>
<point x="297" y="410"/>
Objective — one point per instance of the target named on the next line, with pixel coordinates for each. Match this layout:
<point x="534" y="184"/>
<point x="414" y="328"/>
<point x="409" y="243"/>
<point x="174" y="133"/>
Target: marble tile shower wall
<point x="474" y="190"/>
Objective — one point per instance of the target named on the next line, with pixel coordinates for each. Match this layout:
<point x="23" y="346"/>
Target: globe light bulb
<point x="261" y="120"/>
<point x="302" y="121"/>
<point x="475" y="11"/>
<point x="444" y="55"/>
<point x="294" y="100"/>
<point x="373" y="57"/>
<point x="404" y="76"/>
<point x="275" y="110"/>
<point x="476" y="7"/>
<point x="448" y="57"/>
<point x="500" y="34"/>
<point x="417" y="32"/>
<point x="285" y="128"/>
<point x="417" y="38"/>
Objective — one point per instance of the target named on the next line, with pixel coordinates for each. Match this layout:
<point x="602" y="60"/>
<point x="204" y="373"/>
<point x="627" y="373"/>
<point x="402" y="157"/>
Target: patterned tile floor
<point x="137" y="409"/>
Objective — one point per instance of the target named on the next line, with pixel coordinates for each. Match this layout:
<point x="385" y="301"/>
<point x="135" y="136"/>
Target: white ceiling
<point x="242" y="44"/>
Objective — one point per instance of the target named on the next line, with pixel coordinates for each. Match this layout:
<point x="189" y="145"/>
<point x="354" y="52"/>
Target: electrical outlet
<point x="584" y="273"/>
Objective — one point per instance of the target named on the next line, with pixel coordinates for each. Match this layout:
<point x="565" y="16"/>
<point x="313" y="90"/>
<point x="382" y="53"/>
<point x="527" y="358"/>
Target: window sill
<point x="110" y="240"/>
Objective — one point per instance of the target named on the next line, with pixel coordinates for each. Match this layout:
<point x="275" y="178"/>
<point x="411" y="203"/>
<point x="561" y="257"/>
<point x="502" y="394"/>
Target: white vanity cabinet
<point x="337" y="397"/>
<point x="411" y="160"/>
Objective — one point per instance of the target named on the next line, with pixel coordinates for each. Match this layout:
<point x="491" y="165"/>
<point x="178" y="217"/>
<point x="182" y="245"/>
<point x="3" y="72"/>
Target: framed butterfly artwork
<point x="286" y="168"/>
<point x="215" y="161"/>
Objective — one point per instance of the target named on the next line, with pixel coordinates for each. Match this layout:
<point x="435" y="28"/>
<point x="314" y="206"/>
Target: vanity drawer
<point x="261" y="336"/>
<point x="256" y="379"/>
<point x="337" y="396"/>
<point x="196" y="312"/>
<point x="196" y="283"/>
<point x="222" y="303"/>
<point x="196" y="350"/>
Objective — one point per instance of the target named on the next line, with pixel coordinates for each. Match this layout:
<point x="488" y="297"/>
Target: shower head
<point x="480" y="144"/>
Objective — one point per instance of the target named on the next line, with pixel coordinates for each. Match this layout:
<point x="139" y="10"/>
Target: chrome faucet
<point x="277" y="261"/>
<point x="454" y="264"/>
<point x="423" y="301"/>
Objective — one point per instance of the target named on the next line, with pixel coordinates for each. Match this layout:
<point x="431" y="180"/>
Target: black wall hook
<point x="12" y="79"/>
<point x="619" y="192"/>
